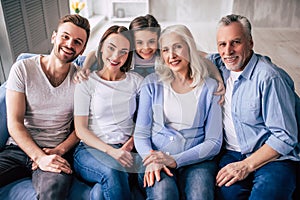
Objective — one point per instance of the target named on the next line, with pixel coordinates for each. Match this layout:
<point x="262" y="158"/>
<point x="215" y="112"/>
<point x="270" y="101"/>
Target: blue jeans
<point x="275" y="180"/>
<point x="95" y="166"/>
<point x="189" y="182"/>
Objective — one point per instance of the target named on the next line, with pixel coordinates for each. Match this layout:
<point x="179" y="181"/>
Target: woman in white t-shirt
<point x="105" y="106"/>
<point x="179" y="123"/>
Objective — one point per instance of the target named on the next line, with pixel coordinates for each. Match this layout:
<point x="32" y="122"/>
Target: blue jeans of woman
<point x="95" y="166"/>
<point x="189" y="182"/>
<point x="275" y="180"/>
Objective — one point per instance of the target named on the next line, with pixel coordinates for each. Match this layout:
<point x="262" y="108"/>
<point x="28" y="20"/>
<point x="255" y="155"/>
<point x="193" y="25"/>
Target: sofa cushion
<point x="23" y="190"/>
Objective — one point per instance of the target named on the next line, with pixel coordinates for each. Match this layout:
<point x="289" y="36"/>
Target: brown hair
<point x="147" y="22"/>
<point x="77" y="20"/>
<point x="118" y="30"/>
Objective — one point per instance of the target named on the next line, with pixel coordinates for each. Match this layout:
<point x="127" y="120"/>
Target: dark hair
<point x="147" y="22"/>
<point x="118" y="30"/>
<point x="77" y="20"/>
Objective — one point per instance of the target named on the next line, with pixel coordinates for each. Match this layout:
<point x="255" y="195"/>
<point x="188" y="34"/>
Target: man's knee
<point x="50" y="185"/>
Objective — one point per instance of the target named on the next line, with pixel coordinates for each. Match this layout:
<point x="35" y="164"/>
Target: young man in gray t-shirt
<point x="40" y="111"/>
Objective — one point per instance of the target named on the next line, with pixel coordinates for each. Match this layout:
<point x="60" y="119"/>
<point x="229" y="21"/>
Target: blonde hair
<point x="198" y="68"/>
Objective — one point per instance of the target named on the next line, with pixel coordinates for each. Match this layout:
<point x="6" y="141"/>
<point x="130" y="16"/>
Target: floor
<point x="281" y="45"/>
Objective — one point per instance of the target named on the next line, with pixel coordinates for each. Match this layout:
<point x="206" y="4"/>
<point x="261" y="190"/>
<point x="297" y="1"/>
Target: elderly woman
<point x="179" y="128"/>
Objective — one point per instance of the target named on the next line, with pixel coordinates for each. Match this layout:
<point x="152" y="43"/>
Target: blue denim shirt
<point x="263" y="107"/>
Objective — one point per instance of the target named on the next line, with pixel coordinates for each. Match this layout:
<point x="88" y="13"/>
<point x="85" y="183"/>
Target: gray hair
<point x="227" y="20"/>
<point x="198" y="68"/>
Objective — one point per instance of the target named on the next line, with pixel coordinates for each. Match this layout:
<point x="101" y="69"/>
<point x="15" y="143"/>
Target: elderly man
<point x="260" y="129"/>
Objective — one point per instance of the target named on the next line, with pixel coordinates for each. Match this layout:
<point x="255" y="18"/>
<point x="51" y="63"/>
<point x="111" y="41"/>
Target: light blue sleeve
<point x="279" y="113"/>
<point x="143" y="127"/>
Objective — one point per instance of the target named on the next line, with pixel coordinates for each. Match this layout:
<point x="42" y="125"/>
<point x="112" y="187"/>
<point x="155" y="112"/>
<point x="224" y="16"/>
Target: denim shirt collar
<point x="248" y="70"/>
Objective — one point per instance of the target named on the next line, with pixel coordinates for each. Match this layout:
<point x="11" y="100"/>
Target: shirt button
<point x="171" y="138"/>
<point x="168" y="153"/>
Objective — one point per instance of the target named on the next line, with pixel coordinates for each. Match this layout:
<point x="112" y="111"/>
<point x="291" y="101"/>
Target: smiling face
<point x="115" y="51"/>
<point x="234" y="47"/>
<point x="69" y="42"/>
<point x="145" y="43"/>
<point x="175" y="53"/>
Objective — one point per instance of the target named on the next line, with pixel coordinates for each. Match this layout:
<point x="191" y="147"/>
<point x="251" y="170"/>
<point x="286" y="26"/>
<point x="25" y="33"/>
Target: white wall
<point x="100" y="7"/>
<point x="270" y="13"/>
<point x="175" y="10"/>
<point x="262" y="13"/>
<point x="190" y="10"/>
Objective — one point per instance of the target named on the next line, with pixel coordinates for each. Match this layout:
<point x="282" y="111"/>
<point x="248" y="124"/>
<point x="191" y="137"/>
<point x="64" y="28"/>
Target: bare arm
<point x="84" y="72"/>
<point x="81" y="126"/>
<point x="237" y="171"/>
<point x="65" y="146"/>
<point x="262" y="156"/>
<point x="128" y="146"/>
<point x="90" y="60"/>
<point x="16" y="106"/>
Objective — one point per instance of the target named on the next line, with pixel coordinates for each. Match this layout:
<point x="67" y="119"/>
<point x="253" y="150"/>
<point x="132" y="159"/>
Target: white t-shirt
<point x="229" y="130"/>
<point x="180" y="109"/>
<point x="109" y="105"/>
<point x="49" y="110"/>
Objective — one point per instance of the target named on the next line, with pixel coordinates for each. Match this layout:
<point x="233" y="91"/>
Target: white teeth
<point x="67" y="50"/>
<point x="230" y="59"/>
<point x="174" y="62"/>
<point x="114" y="63"/>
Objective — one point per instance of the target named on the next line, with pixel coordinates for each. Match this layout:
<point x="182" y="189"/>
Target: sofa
<point x="23" y="189"/>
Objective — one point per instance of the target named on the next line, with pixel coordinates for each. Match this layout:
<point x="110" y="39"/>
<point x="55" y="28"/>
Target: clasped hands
<point x="52" y="162"/>
<point x="155" y="162"/>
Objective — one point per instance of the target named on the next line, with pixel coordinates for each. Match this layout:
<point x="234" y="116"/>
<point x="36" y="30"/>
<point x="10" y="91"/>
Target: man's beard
<point x="62" y="58"/>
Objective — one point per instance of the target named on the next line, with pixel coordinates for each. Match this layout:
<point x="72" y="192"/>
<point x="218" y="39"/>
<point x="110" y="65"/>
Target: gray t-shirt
<point x="49" y="110"/>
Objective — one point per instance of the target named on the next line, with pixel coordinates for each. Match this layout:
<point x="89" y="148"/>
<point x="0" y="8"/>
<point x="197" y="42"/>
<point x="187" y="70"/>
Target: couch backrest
<point x="3" y="119"/>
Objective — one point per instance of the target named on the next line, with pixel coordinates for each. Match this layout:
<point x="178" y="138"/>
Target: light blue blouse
<point x="188" y="146"/>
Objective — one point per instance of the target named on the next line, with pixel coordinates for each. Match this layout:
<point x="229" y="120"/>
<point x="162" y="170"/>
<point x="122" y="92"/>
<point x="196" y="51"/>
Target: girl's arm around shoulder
<point x="83" y="73"/>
